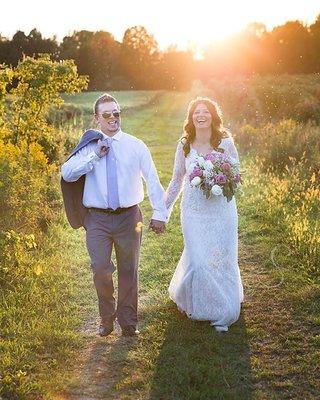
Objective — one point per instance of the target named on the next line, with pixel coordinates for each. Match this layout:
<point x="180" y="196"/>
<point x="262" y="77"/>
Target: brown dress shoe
<point x="105" y="330"/>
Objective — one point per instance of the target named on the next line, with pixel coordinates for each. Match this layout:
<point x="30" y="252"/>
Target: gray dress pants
<point x="103" y="231"/>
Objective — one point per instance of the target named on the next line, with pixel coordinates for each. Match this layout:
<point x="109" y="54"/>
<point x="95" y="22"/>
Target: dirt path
<point x="97" y="365"/>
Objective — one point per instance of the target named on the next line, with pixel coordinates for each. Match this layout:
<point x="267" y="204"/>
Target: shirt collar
<point x="117" y="136"/>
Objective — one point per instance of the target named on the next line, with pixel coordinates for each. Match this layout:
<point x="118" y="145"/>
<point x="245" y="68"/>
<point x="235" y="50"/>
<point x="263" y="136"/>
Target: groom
<point x="102" y="187"/>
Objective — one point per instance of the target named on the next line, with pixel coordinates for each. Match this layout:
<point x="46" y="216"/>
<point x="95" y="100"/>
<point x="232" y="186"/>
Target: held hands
<point x="102" y="148"/>
<point x="158" y="227"/>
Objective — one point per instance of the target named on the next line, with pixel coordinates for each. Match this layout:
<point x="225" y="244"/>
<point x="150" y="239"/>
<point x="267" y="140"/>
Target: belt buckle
<point x="112" y="211"/>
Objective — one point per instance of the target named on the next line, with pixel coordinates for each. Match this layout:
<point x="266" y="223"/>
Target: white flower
<point x="208" y="165"/>
<point x="191" y="167"/>
<point x="216" y="190"/>
<point x="201" y="161"/>
<point x="195" y="181"/>
<point x="207" y="173"/>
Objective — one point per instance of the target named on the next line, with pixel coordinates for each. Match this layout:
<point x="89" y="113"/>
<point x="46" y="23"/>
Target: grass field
<point x="76" y="114"/>
<point x="127" y="99"/>
<point x="271" y="352"/>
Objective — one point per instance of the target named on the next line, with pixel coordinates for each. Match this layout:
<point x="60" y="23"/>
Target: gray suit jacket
<point x="72" y="192"/>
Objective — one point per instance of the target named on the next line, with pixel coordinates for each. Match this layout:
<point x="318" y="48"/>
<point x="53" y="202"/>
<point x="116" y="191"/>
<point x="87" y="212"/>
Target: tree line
<point x="137" y="62"/>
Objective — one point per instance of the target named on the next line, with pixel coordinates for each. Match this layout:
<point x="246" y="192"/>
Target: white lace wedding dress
<point x="206" y="283"/>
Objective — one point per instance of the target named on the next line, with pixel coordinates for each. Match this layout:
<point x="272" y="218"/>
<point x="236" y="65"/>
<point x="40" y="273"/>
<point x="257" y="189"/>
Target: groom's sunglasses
<point x="107" y="115"/>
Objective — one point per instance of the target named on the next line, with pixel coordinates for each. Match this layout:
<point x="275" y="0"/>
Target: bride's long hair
<point x="217" y="129"/>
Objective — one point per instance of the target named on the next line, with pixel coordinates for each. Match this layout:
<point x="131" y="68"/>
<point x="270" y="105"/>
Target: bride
<point x="206" y="284"/>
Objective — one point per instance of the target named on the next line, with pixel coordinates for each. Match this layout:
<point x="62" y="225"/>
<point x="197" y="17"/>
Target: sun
<point x="203" y="38"/>
<point x="197" y="28"/>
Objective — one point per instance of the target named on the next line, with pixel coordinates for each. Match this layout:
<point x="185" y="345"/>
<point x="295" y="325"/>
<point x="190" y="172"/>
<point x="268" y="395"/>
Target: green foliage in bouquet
<point x="229" y="190"/>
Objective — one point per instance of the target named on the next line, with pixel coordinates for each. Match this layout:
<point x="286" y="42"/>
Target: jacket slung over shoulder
<point x="72" y="192"/>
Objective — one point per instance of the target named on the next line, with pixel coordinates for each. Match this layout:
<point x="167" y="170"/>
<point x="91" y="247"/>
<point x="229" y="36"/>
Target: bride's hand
<point x="157" y="226"/>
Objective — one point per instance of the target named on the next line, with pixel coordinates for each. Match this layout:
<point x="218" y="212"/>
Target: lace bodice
<point x="181" y="163"/>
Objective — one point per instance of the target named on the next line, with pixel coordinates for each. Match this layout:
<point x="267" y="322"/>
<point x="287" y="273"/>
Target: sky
<point x="187" y="24"/>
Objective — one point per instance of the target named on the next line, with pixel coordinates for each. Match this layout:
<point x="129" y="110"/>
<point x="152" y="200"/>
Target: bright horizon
<point x="186" y="24"/>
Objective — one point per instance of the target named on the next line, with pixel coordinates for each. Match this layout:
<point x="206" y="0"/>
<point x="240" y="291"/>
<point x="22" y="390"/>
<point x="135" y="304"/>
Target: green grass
<point x="285" y="321"/>
<point x="126" y="98"/>
<point x="40" y="314"/>
<point x="76" y="114"/>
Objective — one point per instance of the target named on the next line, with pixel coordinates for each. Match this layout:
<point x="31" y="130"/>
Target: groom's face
<point x="108" y="117"/>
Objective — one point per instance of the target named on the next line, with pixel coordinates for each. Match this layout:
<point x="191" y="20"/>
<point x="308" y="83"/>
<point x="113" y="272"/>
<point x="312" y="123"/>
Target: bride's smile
<point x="201" y="117"/>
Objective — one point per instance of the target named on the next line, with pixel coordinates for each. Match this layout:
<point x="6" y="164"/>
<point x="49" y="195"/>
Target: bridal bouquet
<point x="215" y="174"/>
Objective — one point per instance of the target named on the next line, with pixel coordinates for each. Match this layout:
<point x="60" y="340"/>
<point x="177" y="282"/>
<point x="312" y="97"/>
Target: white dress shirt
<point x="134" y="162"/>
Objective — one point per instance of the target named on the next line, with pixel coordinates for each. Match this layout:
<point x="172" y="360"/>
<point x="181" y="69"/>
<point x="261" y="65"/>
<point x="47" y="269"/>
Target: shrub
<point x="290" y="204"/>
<point x="286" y="143"/>
<point x="30" y="201"/>
<point x="262" y="99"/>
<point x="29" y="196"/>
<point x="39" y="83"/>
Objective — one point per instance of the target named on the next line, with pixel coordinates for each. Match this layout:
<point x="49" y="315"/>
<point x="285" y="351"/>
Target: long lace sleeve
<point x="232" y="150"/>
<point x="175" y="186"/>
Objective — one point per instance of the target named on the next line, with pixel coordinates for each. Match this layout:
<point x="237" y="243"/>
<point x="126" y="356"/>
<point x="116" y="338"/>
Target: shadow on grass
<point x="195" y="362"/>
<point x="103" y="367"/>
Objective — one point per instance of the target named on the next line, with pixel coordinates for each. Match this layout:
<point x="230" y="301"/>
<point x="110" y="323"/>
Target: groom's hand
<point x="102" y="148"/>
<point x="157" y="226"/>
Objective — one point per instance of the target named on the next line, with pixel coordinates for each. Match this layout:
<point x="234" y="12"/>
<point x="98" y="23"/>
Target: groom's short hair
<point x="105" y="98"/>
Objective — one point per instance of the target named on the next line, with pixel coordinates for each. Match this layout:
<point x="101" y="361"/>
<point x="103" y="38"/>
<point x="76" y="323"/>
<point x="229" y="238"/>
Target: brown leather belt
<point x="110" y="210"/>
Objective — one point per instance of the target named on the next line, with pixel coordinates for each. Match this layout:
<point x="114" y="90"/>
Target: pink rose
<point x="220" y="179"/>
<point x="197" y="171"/>
<point x="226" y="166"/>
